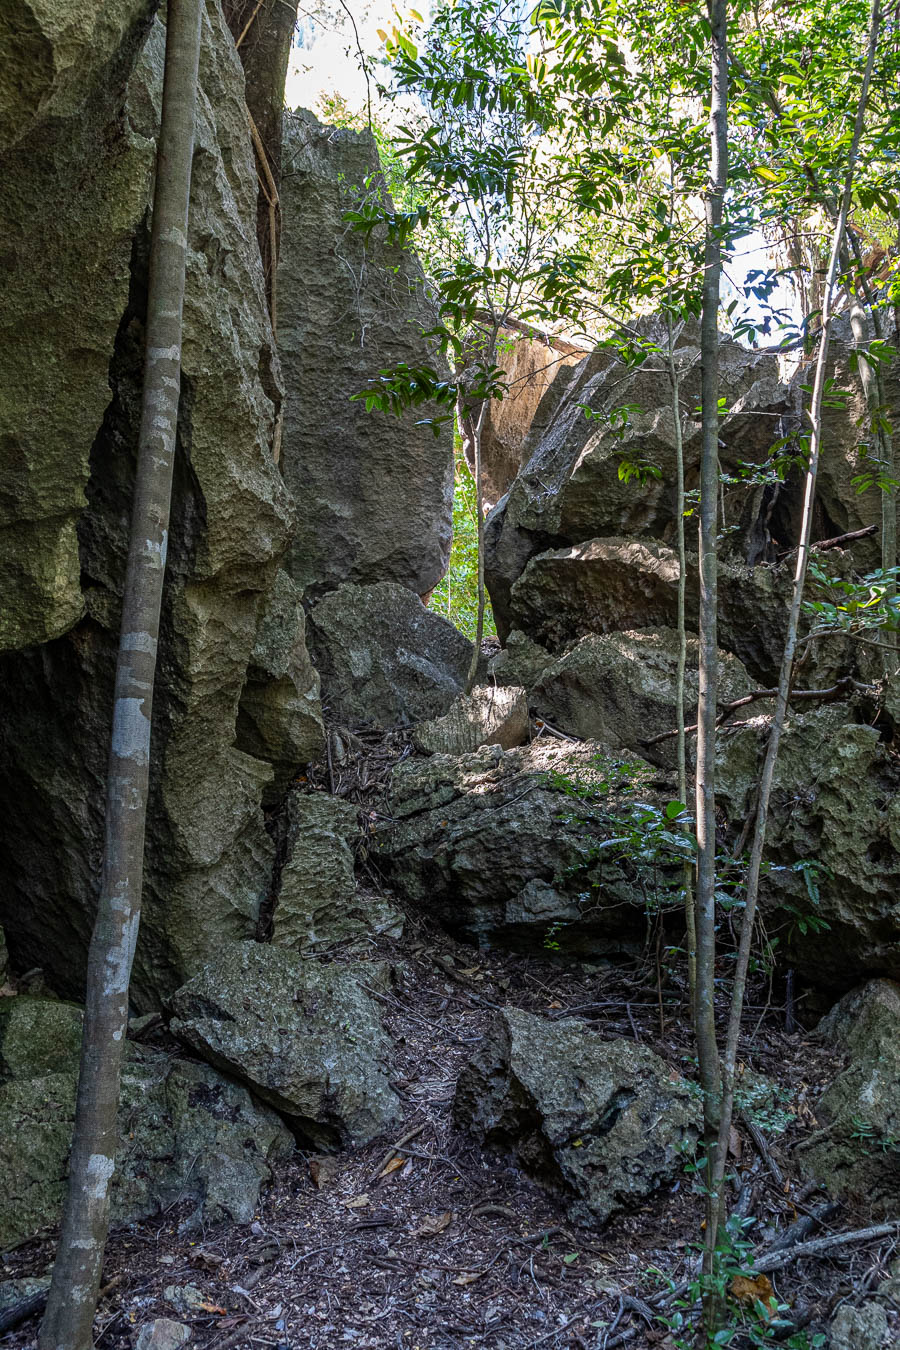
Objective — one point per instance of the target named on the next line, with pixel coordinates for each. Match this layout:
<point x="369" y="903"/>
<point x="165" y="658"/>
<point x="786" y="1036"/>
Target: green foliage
<point x="853" y="606"/>
<point x="456" y="596"/>
<point x="648" y="838"/>
<point x="755" y="1323"/>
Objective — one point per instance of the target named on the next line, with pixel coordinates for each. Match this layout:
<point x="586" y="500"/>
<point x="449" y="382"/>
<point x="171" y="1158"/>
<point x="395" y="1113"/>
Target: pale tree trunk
<point x="705" y="904"/>
<point x="76" y="1272"/>
<point x="690" y="916"/>
<point x="787" y="661"/>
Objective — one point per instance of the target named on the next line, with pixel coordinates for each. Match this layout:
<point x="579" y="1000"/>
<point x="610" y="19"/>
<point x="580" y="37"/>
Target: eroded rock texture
<point x="75" y="208"/>
<point x="601" y="1123"/>
<point x="857" y="1152"/>
<point x="527" y="848"/>
<point x="374" y="491"/>
<point x="386" y="660"/>
<point x="185" y="1132"/>
<point x="305" y="1037"/>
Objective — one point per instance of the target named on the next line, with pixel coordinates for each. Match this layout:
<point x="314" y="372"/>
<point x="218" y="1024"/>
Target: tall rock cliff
<point x="374" y="493"/>
<point x="74" y="218"/>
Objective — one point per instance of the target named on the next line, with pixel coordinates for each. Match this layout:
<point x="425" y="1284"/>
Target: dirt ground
<point x="434" y="1244"/>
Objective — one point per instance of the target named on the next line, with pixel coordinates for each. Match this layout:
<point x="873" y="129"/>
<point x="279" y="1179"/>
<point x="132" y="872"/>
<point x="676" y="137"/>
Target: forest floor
<point x="439" y="1245"/>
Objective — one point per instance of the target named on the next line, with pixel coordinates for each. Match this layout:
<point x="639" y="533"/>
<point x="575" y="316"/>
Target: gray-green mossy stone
<point x="385" y="660"/>
<point x="73" y="291"/>
<point x="38" y="1036"/>
<point x="375" y="491"/>
<point x="185" y="1132"/>
<point x="864" y="1328"/>
<point x="857" y="1152"/>
<point x="318" y="904"/>
<point x="603" y="1124"/>
<point x="490" y="715"/>
<point x="162" y="1334"/>
<point x="305" y="1036"/>
<point x="511" y="848"/>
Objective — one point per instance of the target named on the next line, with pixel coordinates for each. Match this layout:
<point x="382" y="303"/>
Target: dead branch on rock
<point x="844" y="685"/>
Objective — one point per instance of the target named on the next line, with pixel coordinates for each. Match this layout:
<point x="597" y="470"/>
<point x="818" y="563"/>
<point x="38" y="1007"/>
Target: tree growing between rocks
<point x="77" y="1270"/>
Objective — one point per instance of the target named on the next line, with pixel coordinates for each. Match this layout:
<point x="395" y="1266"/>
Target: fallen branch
<point x="774" y="1259"/>
<point x="840" y="539"/>
<point x="843" y="686"/>
<point x="393" y="1151"/>
<point x="777" y="1260"/>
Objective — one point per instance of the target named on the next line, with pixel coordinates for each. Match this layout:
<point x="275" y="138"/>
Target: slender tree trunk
<point x="477" y="430"/>
<point x="690" y="916"/>
<point x="76" y="1273"/>
<point x="787" y="661"/>
<point x="704" y="1004"/>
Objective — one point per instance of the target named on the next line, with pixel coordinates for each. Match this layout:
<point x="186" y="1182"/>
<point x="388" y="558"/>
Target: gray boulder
<point x="318" y="904"/>
<point x="856" y="1153"/>
<point x="305" y="1037"/>
<point x="162" y="1334"/>
<point x="184" y="1131"/>
<point x="490" y="715"/>
<point x="619" y="584"/>
<point x="375" y="491"/>
<point x="863" y="1328"/>
<point x="280" y="714"/>
<point x="386" y="660"/>
<point x="834" y="831"/>
<point x="619" y="689"/>
<point x="570" y="488"/>
<point x="538" y="847"/>
<point x="69" y="411"/>
<point x="603" y="1124"/>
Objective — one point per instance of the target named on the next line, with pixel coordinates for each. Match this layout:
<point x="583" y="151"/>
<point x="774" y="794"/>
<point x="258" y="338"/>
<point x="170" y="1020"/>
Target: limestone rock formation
<point x="618" y="584"/>
<point x="833" y="840"/>
<point x="280" y="714"/>
<point x="318" y="903"/>
<point x="570" y="488"/>
<point x="619" y="689"/>
<point x="185" y="1132"/>
<point x="490" y="715"/>
<point x="375" y="491"/>
<point x="305" y="1037"/>
<point x="527" y="848"/>
<point x="385" y="660"/>
<point x="863" y="1328"/>
<point x="857" y="1152"/>
<point x="530" y="366"/>
<point x="602" y="1123"/>
<point x="69" y="399"/>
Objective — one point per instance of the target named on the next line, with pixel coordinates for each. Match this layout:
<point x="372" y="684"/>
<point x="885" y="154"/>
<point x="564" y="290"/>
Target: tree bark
<point x="705" y="904"/>
<point x="690" y="917"/>
<point x="76" y="1273"/>
<point x="787" y="662"/>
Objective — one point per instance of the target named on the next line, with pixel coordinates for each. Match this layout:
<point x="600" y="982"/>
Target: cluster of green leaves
<point x="755" y="1322"/>
<point x="853" y="606"/>
<point x="650" y="837"/>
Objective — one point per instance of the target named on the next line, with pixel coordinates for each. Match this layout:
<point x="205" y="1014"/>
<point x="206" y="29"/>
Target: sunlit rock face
<point x="374" y="492"/>
<point x="74" y="212"/>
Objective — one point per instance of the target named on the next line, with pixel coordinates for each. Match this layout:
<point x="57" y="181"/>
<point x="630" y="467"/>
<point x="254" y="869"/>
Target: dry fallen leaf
<point x="469" y="1277"/>
<point x="750" y="1291"/>
<point x="393" y="1166"/>
<point x="734" y="1144"/>
<point x="434" y="1223"/>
